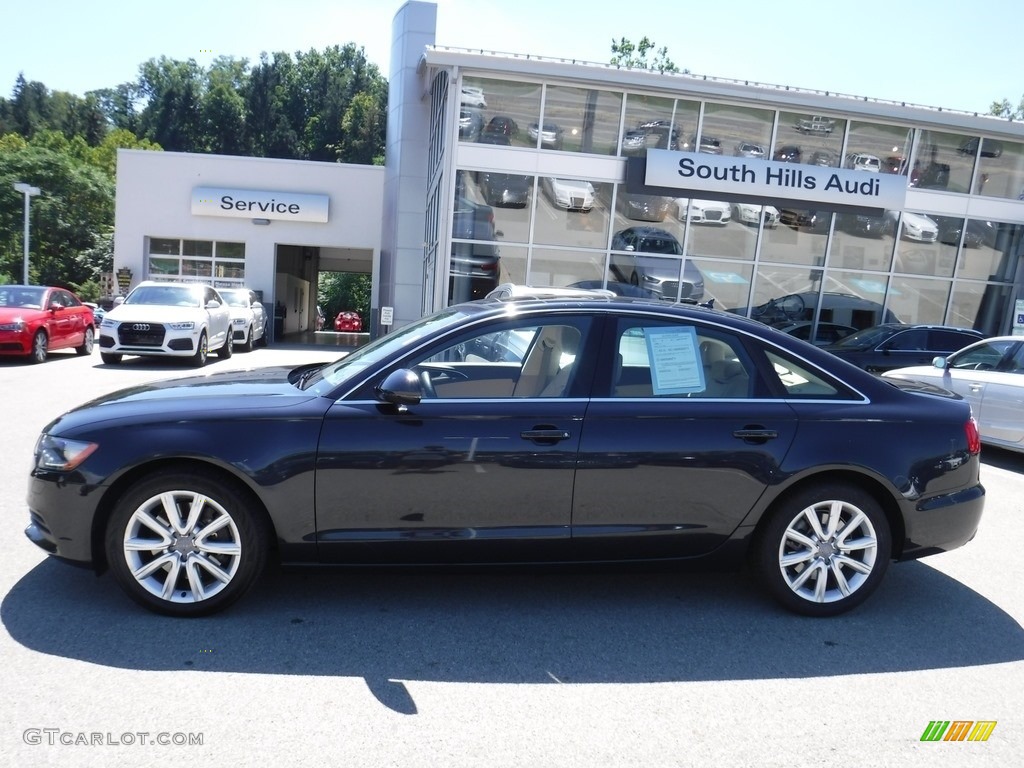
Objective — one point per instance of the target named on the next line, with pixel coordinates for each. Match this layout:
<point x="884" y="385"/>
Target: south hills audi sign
<point x="253" y="204"/>
<point x="754" y="179"/>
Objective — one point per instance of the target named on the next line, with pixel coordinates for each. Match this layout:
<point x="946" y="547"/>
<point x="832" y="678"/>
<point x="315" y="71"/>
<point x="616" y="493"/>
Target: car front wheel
<point x="199" y="358"/>
<point x="185" y="544"/>
<point x="247" y="344"/>
<point x="824" y="550"/>
<point x="110" y="358"/>
<point x="228" y="348"/>
<point x="40" y="346"/>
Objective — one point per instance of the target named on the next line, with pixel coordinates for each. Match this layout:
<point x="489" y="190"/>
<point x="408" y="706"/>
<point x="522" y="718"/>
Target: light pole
<point x="29" y="191"/>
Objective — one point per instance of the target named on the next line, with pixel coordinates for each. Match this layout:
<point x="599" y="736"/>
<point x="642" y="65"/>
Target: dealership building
<point x="806" y="207"/>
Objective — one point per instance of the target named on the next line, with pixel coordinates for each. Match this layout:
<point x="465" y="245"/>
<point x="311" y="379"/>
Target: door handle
<point x="755" y="434"/>
<point x="545" y="436"/>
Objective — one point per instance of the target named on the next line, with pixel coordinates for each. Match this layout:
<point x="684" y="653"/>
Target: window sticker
<point x="675" y="362"/>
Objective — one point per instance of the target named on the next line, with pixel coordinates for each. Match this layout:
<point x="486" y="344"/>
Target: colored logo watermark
<point x="958" y="730"/>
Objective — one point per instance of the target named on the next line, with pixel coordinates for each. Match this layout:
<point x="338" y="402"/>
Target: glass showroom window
<point x="195" y="258"/>
<point x="739" y="131"/>
<point x="1000" y="168"/>
<point x="943" y="161"/>
<point x="853" y="299"/>
<point x="928" y="244"/>
<point x="718" y="228"/>
<point x="862" y="241"/>
<point x="229" y="260"/>
<point x="782" y="294"/>
<point x="727" y="282"/>
<point x="979" y="305"/>
<point x="510" y="198"/>
<point x="561" y="268"/>
<point x="810" y="139"/>
<point x="578" y="120"/>
<point x="654" y="122"/>
<point x="800" y="238"/>
<point x="571" y="212"/>
<point x="919" y="300"/>
<point x="878" y="148"/>
<point x="498" y="111"/>
<point x="997" y="253"/>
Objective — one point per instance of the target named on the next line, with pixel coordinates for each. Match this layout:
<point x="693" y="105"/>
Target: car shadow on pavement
<point x="607" y="626"/>
<point x="1012" y="461"/>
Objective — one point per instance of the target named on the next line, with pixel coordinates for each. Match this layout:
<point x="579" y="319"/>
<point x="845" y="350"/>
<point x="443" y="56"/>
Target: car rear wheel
<point x="824" y="550"/>
<point x="185" y="543"/>
<point x="264" y="338"/>
<point x="40" y="345"/>
<point x="110" y="358"/>
<point x="87" y="342"/>
<point x="228" y="348"/>
<point x="199" y="358"/>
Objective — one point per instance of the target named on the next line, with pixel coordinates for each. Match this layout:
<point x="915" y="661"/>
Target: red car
<point x="349" y="322"/>
<point x="35" y="319"/>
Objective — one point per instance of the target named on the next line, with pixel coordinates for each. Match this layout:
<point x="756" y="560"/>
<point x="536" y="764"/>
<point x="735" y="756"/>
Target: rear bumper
<point x="942" y="523"/>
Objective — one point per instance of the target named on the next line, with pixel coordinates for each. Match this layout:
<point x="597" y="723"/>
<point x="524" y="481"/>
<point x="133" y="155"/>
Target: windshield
<point x="164" y="295"/>
<point x="21" y="296"/>
<point x="235" y="297"/>
<point x="386" y="346"/>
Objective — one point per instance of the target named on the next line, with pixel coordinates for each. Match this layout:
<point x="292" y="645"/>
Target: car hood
<point x="257" y="389"/>
<point x="153" y="313"/>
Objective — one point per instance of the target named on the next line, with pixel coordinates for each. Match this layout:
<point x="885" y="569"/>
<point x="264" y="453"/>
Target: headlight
<point x="17" y="325"/>
<point x="185" y="326"/>
<point x="108" y="324"/>
<point x="239" y="321"/>
<point x="57" y="453"/>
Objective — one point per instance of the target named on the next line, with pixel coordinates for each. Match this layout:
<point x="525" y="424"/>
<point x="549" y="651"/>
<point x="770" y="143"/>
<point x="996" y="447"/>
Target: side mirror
<point x="401" y="387"/>
<point x="213" y="304"/>
<point x="939" y="362"/>
<point x="118" y="300"/>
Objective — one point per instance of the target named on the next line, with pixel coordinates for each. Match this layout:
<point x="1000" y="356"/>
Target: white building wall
<point x="154" y="199"/>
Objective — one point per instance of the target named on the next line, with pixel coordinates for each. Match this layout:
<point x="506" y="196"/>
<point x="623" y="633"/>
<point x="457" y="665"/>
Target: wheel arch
<point x="865" y="482"/>
<point x="122" y="484"/>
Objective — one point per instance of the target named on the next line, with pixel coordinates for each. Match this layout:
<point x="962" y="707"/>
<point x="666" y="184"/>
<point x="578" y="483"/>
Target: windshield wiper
<point x="307" y="376"/>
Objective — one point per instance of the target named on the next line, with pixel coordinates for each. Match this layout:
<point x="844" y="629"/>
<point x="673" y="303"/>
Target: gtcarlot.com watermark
<point x="60" y="737"/>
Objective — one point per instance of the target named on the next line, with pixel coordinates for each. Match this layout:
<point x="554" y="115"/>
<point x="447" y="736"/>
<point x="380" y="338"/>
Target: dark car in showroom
<point x="863" y="224"/>
<point x="897" y="345"/>
<point x="655" y="272"/>
<point x="511" y="432"/>
<point x="506" y="190"/>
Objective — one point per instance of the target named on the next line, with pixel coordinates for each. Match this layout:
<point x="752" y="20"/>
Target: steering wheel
<point x="428" y="385"/>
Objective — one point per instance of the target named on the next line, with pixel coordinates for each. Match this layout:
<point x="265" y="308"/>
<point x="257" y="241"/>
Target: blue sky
<point x="945" y="53"/>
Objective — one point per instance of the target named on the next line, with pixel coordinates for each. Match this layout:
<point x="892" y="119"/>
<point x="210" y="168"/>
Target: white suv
<point x="168" y="319"/>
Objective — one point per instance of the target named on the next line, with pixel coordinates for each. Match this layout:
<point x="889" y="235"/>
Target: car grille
<point x="576" y="202"/>
<point x="141" y="334"/>
<point x="712" y="215"/>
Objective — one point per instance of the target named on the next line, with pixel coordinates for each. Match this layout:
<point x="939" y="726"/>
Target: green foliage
<point x="339" y="291"/>
<point x="626" y="54"/>
<point x="1005" y="109"/>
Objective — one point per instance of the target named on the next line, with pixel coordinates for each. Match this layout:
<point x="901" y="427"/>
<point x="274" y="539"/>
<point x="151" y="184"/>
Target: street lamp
<point x="29" y="191"/>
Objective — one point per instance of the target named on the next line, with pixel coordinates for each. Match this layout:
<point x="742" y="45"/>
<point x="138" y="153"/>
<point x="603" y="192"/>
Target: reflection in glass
<point x="583" y="119"/>
<point x="561" y="268"/>
<point x="498" y="111"/>
<point x="878" y="148"/>
<point x="654" y="122"/>
<point x="922" y="300"/>
<point x="940" y="163"/>
<point x="855" y="299"/>
<point x="1000" y="169"/>
<point x="811" y="139"/>
<point x="800" y="238"/>
<point x="638" y="259"/>
<point x="727" y="282"/>
<point x="997" y="255"/>
<point x="979" y="305"/>
<point x="571" y="212"/>
<point x="740" y="131"/>
<point x="862" y="241"/>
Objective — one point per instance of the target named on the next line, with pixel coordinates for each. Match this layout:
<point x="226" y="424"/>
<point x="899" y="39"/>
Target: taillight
<point x="973" y="436"/>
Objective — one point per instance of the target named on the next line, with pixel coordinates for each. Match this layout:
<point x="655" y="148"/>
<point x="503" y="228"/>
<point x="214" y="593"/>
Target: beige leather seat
<point x="542" y="362"/>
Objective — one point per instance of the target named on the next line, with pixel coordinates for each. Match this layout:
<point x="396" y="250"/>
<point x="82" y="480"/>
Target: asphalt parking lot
<point x="510" y="668"/>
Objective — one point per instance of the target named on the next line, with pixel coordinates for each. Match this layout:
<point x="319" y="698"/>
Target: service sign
<point x="705" y="175"/>
<point x="252" y="204"/>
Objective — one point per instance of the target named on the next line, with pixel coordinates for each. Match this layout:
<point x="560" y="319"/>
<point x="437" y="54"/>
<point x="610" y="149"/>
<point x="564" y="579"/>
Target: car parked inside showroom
<point x="506" y="190"/>
<point x="168" y="319"/>
<point x="250" y="324"/>
<point x="897" y="345"/>
<point x="565" y="430"/>
<point x="571" y="194"/>
<point x="638" y="258"/>
<point x="37" y="319"/>
<point x="988" y="374"/>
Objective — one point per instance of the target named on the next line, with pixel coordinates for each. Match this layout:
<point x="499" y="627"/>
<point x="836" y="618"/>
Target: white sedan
<point x="249" y="321"/>
<point x="703" y="211"/>
<point x="571" y="194"/>
<point x="168" y="320"/>
<point x="988" y="374"/>
<point x="916" y="226"/>
<point x="750" y="213"/>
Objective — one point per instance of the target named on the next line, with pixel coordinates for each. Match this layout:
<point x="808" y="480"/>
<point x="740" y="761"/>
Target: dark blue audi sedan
<point x="578" y="429"/>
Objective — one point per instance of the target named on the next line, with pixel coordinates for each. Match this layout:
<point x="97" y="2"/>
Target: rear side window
<point x="800" y="381"/>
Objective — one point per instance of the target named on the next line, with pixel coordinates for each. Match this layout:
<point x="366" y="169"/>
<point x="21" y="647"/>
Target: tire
<point x="40" y="345"/>
<point x="202" y="351"/>
<point x="110" y="358"/>
<point x="248" y="343"/>
<point x="87" y="342"/>
<point x="798" y="547"/>
<point x="263" y="339"/>
<point x="201" y="562"/>
<point x="227" y="349"/>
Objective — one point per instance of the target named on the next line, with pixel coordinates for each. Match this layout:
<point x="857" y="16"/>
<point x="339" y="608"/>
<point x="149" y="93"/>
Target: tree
<point x="625" y="54"/>
<point x="172" y="116"/>
<point x="339" y="291"/>
<point x="1005" y="109"/>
